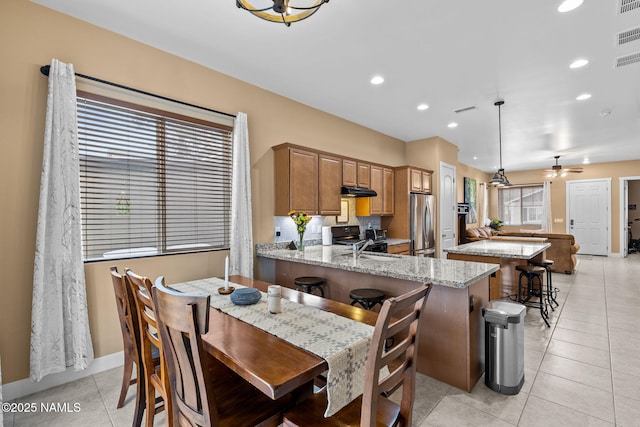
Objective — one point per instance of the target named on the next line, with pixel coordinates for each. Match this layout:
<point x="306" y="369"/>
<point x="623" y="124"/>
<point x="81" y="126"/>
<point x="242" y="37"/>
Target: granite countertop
<point x="392" y="242"/>
<point x="500" y="248"/>
<point x="443" y="272"/>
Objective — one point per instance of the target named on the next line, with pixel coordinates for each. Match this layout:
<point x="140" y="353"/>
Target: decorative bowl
<point x="245" y="296"/>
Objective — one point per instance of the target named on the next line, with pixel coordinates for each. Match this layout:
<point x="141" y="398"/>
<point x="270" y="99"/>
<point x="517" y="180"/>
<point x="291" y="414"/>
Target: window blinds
<point x="152" y="182"/>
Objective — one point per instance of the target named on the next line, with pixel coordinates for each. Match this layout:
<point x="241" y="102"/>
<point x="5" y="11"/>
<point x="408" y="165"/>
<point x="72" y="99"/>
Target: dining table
<point x="271" y="364"/>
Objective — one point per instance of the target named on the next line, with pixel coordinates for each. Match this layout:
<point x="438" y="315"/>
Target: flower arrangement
<point x="301" y="220"/>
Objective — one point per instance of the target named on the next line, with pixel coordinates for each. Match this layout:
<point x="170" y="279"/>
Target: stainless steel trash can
<point x="504" y="346"/>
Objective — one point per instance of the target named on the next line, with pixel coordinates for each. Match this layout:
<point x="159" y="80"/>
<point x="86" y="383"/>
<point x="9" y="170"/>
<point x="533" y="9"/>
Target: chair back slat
<point x="399" y="317"/>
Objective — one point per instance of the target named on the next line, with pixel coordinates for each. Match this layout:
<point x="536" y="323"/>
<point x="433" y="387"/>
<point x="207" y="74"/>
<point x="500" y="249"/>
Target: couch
<point x="480" y="233"/>
<point x="562" y="251"/>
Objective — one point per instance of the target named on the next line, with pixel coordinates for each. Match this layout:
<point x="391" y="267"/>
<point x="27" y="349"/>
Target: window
<point x="521" y="205"/>
<point x="152" y="182"/>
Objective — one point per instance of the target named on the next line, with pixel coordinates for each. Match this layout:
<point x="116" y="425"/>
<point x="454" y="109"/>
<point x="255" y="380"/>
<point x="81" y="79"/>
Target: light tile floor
<point x="583" y="371"/>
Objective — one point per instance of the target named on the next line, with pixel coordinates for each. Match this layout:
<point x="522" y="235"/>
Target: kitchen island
<point x="507" y="254"/>
<point x="451" y="347"/>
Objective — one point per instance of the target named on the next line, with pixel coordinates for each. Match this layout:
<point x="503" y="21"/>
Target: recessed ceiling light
<point x="579" y="63"/>
<point x="475" y="157"/>
<point x="423" y="107"/>
<point x="569" y="5"/>
<point x="377" y="80"/>
<point x="452" y="125"/>
<point x="586" y="161"/>
<point x="583" y="96"/>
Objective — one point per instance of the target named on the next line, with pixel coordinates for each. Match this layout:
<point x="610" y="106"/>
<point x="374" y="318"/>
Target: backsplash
<point x="288" y="231"/>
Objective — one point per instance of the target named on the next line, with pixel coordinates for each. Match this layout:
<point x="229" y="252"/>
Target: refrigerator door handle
<point x="426" y="228"/>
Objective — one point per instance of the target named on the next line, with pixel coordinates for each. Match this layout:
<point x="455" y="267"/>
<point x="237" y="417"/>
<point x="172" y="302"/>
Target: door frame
<point x="623" y="209"/>
<point x="440" y="204"/>
<point x="608" y="199"/>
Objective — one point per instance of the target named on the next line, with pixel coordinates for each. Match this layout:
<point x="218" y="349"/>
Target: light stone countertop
<point x="500" y="249"/>
<point x="443" y="272"/>
<point x="392" y="242"/>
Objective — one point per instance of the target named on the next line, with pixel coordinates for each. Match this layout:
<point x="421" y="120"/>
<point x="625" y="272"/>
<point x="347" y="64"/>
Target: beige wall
<point x="613" y="170"/>
<point x="30" y="36"/>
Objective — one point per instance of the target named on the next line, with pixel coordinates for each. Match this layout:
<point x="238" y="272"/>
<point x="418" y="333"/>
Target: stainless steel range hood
<point x="358" y="192"/>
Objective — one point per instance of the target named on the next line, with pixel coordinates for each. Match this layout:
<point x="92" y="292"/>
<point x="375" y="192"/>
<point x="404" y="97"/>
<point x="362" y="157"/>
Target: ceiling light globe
<point x="377" y="80"/>
<point x="423" y="107"/>
<point x="452" y="125"/>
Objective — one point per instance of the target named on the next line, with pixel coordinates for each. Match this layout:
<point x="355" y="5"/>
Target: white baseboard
<point x="21" y="388"/>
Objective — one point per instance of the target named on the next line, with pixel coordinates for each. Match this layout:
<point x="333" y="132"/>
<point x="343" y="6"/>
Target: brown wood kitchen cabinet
<point x="364" y="175"/>
<point x="382" y="182"/>
<point x="349" y="173"/>
<point x="329" y="184"/>
<point x="420" y="180"/>
<point x="296" y="180"/>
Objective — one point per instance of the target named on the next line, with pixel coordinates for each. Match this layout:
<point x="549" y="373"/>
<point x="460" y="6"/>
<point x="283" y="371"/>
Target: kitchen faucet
<point x="357" y="252"/>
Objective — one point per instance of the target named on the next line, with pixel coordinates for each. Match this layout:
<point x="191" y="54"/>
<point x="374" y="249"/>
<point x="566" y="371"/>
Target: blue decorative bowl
<point x="245" y="296"/>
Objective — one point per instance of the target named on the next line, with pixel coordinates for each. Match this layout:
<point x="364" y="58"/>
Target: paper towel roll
<point x="327" y="237"/>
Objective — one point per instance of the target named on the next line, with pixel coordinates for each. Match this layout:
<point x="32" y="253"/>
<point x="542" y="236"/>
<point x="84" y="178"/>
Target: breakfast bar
<point x="450" y="345"/>
<point x="507" y="254"/>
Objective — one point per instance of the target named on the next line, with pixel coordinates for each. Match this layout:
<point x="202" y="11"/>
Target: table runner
<point x="342" y="342"/>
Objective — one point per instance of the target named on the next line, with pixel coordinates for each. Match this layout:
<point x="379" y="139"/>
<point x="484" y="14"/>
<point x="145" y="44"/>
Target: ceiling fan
<point x="557" y="170"/>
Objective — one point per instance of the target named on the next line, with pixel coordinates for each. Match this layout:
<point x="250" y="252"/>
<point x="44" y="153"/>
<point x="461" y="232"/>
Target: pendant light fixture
<point x="282" y="11"/>
<point x="499" y="178"/>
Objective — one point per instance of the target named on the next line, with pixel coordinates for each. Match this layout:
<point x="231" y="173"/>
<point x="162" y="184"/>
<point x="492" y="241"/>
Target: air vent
<point x="628" y="60"/>
<point x="628" y="5"/>
<point x="628" y="36"/>
<point x="462" y="110"/>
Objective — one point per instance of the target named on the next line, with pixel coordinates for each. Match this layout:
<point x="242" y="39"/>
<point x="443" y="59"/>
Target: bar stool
<point x="366" y="297"/>
<point x="551" y="291"/>
<point x="533" y="273"/>
<point x="308" y="283"/>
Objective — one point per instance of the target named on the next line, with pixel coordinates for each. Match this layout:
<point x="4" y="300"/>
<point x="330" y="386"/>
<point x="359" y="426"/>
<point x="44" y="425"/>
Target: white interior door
<point x="447" y="207"/>
<point x="588" y="215"/>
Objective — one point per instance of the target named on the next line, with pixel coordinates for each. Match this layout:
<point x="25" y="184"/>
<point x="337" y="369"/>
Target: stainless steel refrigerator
<point x="422" y="224"/>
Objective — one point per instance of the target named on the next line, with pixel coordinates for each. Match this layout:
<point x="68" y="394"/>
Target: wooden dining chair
<point x="399" y="317"/>
<point x="128" y="316"/>
<point x="205" y="392"/>
<point x="155" y="374"/>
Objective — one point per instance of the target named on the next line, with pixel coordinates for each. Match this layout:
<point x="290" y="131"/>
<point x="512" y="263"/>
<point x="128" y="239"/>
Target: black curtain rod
<point x="45" y="70"/>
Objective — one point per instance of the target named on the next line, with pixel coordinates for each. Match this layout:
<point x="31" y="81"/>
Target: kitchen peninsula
<point x="505" y="253"/>
<point x="451" y="346"/>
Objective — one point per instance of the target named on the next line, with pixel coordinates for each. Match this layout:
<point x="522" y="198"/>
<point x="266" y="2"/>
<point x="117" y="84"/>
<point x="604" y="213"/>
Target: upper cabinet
<point x="311" y="181"/>
<point x="296" y="179"/>
<point x="349" y="173"/>
<point x="364" y="175"/>
<point x="382" y="182"/>
<point x="330" y="181"/>
<point x="419" y="180"/>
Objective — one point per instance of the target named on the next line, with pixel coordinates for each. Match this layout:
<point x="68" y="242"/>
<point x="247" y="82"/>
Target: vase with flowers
<point x="301" y="219"/>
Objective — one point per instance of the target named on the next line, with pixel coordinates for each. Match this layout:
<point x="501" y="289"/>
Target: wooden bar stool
<point x="366" y="297"/>
<point x="308" y="283"/>
<point x="551" y="291"/>
<point x="533" y="274"/>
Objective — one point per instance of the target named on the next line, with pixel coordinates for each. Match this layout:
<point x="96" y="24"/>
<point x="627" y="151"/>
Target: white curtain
<point x="546" y="207"/>
<point x="241" y="253"/>
<point x="60" y="336"/>
<point x="485" y="205"/>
